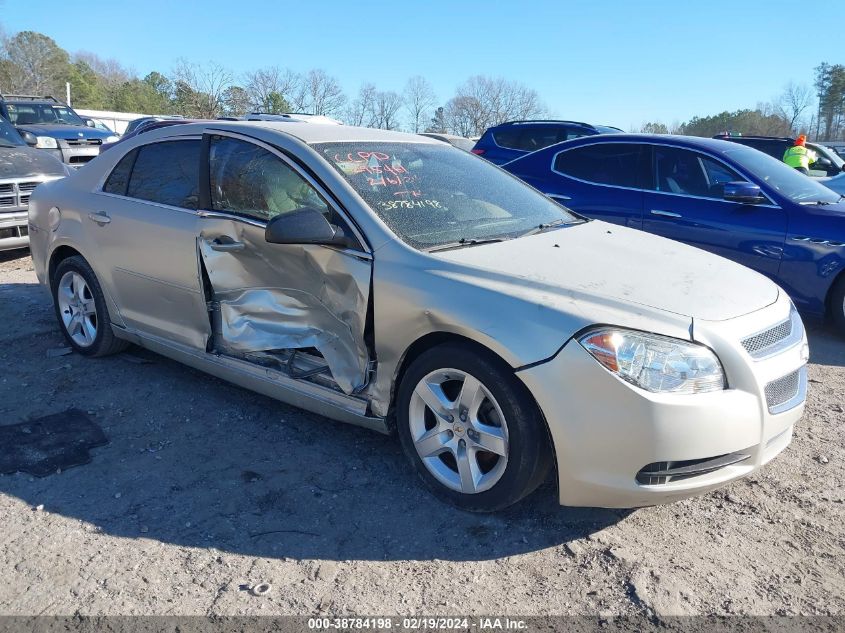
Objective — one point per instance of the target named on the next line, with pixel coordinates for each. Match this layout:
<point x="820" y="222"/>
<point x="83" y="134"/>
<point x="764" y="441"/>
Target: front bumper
<point x="605" y="431"/>
<point x="14" y="232"/>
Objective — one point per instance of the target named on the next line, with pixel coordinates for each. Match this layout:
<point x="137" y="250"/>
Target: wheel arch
<point x="59" y="254"/>
<point x="837" y="282"/>
<point x="433" y="339"/>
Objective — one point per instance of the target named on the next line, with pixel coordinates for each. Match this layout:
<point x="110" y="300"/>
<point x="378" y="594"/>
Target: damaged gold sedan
<point x="394" y="282"/>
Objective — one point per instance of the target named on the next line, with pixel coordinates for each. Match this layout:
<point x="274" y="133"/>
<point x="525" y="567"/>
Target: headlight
<point x="46" y="142"/>
<point x="656" y="363"/>
<point x="111" y="139"/>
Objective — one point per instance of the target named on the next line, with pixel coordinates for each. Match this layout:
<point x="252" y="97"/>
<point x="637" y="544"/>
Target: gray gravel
<point x="207" y="490"/>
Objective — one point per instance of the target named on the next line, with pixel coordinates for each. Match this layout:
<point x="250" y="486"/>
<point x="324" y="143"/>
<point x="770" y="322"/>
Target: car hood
<point x="22" y="161"/>
<point x="67" y="132"/>
<point x="623" y="266"/>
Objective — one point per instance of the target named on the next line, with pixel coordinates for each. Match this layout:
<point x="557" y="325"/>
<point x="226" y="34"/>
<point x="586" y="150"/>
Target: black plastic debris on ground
<point x="45" y="445"/>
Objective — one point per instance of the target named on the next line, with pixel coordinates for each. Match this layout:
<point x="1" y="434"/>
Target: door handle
<point x="225" y="247"/>
<point x="668" y="214"/>
<point x="99" y="218"/>
<point x="558" y="196"/>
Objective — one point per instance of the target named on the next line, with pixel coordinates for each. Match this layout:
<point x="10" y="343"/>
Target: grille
<point x="782" y="390"/>
<point x="75" y="142"/>
<point x="759" y="343"/>
<point x="14" y="195"/>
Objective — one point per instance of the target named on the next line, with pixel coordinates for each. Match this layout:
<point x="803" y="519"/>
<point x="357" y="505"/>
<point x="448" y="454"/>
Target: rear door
<point x="272" y="297"/>
<point x="599" y="180"/>
<point x="685" y="203"/>
<point x="144" y="225"/>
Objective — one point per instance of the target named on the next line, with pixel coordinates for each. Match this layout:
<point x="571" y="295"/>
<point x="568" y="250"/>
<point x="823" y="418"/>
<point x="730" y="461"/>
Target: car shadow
<point x="197" y="462"/>
<point x="827" y="346"/>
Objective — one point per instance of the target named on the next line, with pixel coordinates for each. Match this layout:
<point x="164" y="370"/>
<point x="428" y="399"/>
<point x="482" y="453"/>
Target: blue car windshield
<point x="434" y="194"/>
<point x="9" y="136"/>
<point x="787" y="181"/>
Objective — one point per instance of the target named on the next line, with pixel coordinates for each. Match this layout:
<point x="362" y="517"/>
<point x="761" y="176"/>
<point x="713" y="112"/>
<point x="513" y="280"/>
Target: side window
<point x="508" y="138"/>
<point x="603" y="163"/>
<point x="167" y="173"/>
<point x="536" y="137"/>
<point x="679" y="171"/>
<point x="686" y="172"/>
<point x="250" y="181"/>
<point x="119" y="177"/>
<point x="717" y="175"/>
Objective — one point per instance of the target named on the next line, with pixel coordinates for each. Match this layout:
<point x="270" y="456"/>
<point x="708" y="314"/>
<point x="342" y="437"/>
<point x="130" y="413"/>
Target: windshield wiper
<point x="543" y="227"/>
<point x="464" y="242"/>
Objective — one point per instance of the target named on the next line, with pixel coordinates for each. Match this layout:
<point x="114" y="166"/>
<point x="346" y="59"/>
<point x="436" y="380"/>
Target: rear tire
<point x="81" y="309"/>
<point x="471" y="429"/>
<point x="837" y="304"/>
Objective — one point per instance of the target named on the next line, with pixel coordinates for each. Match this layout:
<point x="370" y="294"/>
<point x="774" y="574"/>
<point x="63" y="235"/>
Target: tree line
<point x="33" y="63"/>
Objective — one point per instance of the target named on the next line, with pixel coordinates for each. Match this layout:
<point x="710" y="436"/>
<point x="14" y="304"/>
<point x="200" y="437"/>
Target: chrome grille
<point x="83" y="141"/>
<point x="782" y="392"/>
<point x="14" y="195"/>
<point x="776" y="338"/>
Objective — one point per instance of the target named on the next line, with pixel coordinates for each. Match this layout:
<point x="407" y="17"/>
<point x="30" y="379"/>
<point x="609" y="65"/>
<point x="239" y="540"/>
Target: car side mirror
<point x="744" y="192"/>
<point x="306" y="225"/>
<point x="28" y="137"/>
<point x="90" y="123"/>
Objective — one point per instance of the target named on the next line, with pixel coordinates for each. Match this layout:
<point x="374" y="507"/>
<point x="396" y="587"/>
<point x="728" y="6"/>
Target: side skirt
<point x="269" y="382"/>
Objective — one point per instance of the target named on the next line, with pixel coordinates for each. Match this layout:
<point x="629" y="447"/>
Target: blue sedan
<point x="723" y="197"/>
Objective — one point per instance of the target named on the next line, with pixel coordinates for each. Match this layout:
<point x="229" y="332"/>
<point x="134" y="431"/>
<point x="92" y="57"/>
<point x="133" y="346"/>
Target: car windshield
<point x="433" y="195"/>
<point x="787" y="181"/>
<point x="42" y="113"/>
<point x="9" y="136"/>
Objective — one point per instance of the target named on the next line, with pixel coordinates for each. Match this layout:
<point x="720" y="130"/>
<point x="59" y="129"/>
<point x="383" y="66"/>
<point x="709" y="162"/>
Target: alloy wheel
<point x="459" y="430"/>
<point x="77" y="309"/>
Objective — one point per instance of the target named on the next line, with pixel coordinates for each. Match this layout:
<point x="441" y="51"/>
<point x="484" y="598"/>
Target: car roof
<point x="700" y="142"/>
<point x="317" y="132"/>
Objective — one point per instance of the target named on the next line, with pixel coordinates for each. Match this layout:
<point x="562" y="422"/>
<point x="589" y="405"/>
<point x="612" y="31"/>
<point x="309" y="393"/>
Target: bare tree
<point x="388" y="105"/>
<point x="793" y="103"/>
<point x="465" y="116"/>
<point x="322" y="94"/>
<point x="482" y="102"/>
<point x="264" y="84"/>
<point x="201" y="90"/>
<point x="110" y="70"/>
<point x="33" y="63"/>
<point x="419" y="102"/>
<point x="361" y="111"/>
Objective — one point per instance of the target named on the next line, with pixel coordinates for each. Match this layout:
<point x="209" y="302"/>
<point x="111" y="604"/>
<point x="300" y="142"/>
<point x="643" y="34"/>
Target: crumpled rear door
<point x="278" y="297"/>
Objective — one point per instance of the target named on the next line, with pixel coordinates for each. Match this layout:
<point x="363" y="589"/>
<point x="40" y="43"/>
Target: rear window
<point x="530" y="138"/>
<point x="167" y="173"/>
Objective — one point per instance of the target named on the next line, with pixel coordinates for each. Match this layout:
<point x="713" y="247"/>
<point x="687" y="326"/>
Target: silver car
<point x="398" y="283"/>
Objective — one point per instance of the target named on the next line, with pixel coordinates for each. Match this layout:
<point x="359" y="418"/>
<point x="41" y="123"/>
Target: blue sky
<point x="618" y="63"/>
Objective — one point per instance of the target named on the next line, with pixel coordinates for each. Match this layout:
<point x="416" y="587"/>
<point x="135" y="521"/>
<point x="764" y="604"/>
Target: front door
<point x="144" y="228"/>
<point x="685" y="203"/>
<point x="274" y="297"/>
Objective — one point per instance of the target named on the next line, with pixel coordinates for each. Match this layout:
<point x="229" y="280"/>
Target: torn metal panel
<point x="274" y="296"/>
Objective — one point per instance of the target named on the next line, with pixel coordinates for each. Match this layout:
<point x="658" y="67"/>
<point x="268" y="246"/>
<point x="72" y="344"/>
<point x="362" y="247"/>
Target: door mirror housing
<point x="305" y="225"/>
<point x="90" y="123"/>
<point x="28" y="137"/>
<point x="744" y="192"/>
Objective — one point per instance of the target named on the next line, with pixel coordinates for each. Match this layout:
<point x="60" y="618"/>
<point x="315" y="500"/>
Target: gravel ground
<point x="206" y="490"/>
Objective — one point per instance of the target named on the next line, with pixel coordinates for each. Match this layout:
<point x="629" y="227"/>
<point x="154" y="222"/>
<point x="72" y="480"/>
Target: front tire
<point x="471" y="429"/>
<point x="81" y="309"/>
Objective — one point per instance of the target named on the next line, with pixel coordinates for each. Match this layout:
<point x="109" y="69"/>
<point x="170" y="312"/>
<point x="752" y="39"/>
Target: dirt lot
<point x="206" y="489"/>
